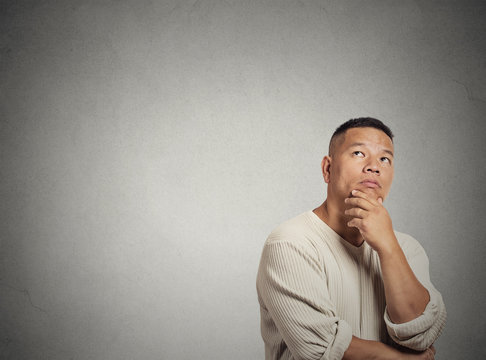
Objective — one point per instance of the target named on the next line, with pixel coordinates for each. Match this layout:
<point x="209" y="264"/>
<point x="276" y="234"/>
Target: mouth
<point x="369" y="183"/>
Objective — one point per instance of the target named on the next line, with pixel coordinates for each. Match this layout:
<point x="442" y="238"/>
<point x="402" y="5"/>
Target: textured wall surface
<point x="149" y="147"/>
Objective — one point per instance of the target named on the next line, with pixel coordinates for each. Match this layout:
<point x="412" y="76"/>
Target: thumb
<point x="380" y="200"/>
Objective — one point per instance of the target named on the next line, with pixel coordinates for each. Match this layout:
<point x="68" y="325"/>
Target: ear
<point x="326" y="168"/>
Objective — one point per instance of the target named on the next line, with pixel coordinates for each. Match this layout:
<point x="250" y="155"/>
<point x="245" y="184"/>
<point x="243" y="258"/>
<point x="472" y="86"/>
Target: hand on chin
<point x="374" y="193"/>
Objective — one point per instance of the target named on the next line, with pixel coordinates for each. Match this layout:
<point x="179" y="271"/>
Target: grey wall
<point x="149" y="147"/>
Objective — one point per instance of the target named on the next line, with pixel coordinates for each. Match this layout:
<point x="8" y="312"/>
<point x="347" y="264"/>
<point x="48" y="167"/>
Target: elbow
<point x="411" y="309"/>
<point x="420" y="333"/>
<point x="407" y="313"/>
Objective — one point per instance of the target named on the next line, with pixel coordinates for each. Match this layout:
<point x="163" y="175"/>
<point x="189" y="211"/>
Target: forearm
<point x="406" y="297"/>
<point x="360" y="349"/>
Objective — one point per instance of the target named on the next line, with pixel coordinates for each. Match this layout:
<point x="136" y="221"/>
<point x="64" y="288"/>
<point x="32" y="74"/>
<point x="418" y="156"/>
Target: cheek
<point x="341" y="181"/>
<point x="387" y="184"/>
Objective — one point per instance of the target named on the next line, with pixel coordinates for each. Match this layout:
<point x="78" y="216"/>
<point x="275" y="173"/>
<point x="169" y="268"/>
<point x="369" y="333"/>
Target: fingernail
<point x="353" y="192"/>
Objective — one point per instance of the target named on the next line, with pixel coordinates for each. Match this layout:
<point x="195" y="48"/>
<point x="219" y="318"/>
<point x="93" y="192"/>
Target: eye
<point x="358" y="153"/>
<point x="385" y="159"/>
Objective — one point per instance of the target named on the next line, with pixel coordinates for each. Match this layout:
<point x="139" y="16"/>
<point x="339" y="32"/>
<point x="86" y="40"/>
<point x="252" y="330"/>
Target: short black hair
<point x="360" y="122"/>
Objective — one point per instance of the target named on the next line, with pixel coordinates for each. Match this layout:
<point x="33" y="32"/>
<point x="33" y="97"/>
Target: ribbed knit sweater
<point x="316" y="290"/>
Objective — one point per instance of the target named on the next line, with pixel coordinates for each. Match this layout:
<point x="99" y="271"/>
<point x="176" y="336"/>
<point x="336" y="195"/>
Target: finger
<point x="432" y="348"/>
<point x="359" y="202"/>
<point x="380" y="200"/>
<point x="356" y="222"/>
<point x="363" y="195"/>
<point x="356" y="212"/>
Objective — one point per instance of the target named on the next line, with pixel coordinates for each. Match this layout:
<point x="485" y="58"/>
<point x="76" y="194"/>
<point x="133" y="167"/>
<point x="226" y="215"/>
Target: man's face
<point x="362" y="159"/>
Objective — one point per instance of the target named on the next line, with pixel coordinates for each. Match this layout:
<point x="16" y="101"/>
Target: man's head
<point x="340" y="132"/>
<point x="360" y="157"/>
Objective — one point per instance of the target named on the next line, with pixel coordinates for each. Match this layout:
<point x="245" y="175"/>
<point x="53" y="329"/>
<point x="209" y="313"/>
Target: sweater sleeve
<point x="421" y="332"/>
<point x="292" y="287"/>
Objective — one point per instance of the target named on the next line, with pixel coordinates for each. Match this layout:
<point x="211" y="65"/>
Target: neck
<point x="333" y="215"/>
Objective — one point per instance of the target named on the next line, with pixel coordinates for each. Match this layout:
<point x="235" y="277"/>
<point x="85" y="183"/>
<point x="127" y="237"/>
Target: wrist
<point x="388" y="248"/>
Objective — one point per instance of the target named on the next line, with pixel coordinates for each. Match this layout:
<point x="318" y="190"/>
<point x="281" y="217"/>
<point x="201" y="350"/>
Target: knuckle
<point x="364" y="225"/>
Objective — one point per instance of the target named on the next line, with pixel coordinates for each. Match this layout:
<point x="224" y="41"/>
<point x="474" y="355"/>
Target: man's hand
<point x="360" y="349"/>
<point x="372" y="220"/>
<point x="428" y="354"/>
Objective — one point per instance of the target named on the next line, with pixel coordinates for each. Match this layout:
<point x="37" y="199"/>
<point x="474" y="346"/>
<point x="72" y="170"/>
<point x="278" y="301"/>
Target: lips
<point x="370" y="183"/>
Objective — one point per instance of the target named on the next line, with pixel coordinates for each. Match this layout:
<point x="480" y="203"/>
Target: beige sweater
<point x="316" y="290"/>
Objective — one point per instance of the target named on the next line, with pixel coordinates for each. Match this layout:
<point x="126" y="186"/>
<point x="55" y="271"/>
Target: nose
<point x="372" y="167"/>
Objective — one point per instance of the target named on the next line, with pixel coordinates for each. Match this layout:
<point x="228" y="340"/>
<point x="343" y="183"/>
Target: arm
<point x="415" y="312"/>
<point x="292" y="288"/>
<point x="425" y="329"/>
<point x="360" y="349"/>
<point x="406" y="297"/>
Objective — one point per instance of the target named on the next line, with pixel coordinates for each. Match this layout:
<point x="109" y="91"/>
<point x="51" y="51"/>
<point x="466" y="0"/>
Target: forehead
<point x="368" y="137"/>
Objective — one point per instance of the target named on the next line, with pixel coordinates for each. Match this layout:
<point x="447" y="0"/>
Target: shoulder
<point x="289" y="229"/>
<point x="297" y="232"/>
<point x="293" y="244"/>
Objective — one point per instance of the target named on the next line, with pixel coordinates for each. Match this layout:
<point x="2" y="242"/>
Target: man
<point x="338" y="282"/>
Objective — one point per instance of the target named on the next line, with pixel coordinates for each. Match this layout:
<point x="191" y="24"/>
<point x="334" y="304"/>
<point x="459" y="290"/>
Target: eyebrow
<point x="363" y="144"/>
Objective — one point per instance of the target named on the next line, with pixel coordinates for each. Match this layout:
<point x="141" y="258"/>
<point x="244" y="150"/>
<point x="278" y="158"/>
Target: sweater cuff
<point x="405" y="331"/>
<point x="341" y="342"/>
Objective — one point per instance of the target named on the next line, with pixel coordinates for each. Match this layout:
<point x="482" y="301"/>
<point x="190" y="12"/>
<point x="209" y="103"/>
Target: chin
<point x="375" y="193"/>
